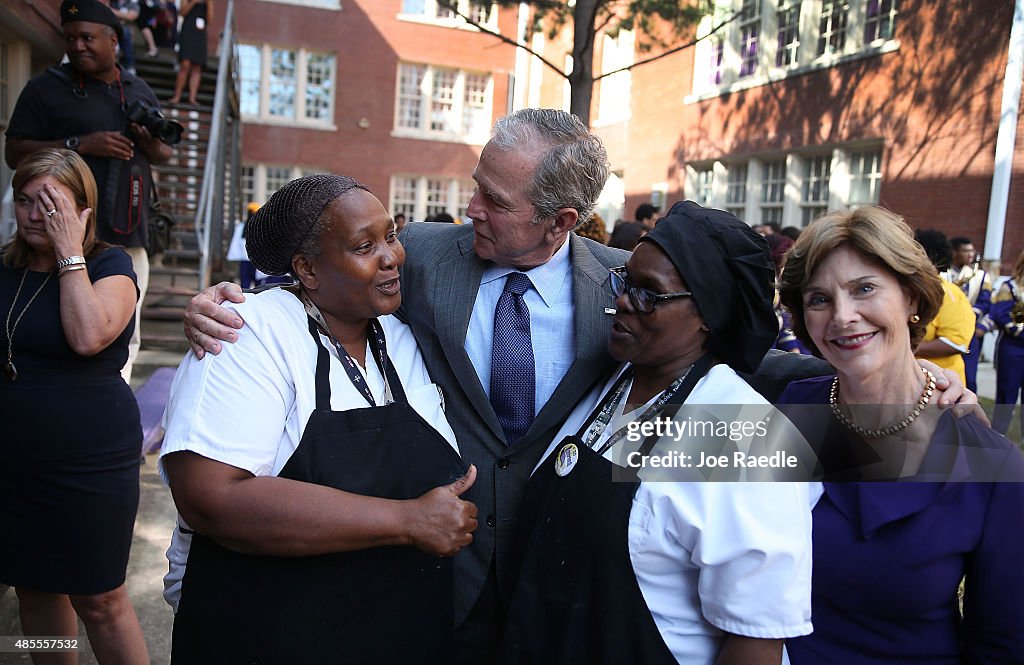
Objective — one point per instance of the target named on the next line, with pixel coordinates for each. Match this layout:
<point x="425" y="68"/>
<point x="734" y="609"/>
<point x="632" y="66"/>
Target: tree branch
<point x="669" y="52"/>
<point x="452" y="5"/>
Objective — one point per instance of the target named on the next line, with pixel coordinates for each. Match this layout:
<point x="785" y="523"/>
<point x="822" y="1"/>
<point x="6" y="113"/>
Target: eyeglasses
<point x="643" y="300"/>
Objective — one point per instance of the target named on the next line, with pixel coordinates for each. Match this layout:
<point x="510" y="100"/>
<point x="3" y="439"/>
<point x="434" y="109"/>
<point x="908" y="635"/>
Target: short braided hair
<point x="293" y="221"/>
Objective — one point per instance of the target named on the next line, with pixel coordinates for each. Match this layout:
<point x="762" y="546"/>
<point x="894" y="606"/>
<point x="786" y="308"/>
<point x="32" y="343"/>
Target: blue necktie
<point x="512" y="365"/>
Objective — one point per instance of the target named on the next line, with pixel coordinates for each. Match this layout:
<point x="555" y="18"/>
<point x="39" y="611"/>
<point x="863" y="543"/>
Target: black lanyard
<point x="602" y="415"/>
<point x="378" y="349"/>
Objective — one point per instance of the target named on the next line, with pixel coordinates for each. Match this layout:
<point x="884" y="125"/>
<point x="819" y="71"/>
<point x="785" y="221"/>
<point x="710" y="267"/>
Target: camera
<point x="166" y="130"/>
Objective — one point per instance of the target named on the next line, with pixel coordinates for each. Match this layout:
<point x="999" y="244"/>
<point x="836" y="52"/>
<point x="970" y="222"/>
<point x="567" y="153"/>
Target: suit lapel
<point x="458" y="281"/>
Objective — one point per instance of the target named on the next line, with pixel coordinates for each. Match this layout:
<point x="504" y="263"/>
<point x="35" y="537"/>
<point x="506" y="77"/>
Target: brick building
<point x="789" y="109"/>
<point x="399" y="94"/>
<point x="792" y="108"/>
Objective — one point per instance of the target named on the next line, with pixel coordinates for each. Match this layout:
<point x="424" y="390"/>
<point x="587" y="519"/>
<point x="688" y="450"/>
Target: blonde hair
<point x="69" y="169"/>
<point x="877" y="234"/>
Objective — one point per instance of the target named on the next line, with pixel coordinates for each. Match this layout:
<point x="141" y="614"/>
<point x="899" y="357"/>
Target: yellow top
<point x="954" y="325"/>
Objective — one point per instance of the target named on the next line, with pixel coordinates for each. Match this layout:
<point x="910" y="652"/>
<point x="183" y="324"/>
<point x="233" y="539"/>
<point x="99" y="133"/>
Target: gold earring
<point x="914" y="318"/>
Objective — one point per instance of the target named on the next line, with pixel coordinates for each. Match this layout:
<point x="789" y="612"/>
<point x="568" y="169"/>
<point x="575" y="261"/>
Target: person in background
<point x="977" y="286"/>
<point x="1008" y="317"/>
<point x="69" y="455"/>
<point x="791" y="232"/>
<point x="236" y="250"/>
<point x="913" y="499"/>
<point x="787" y="340"/>
<point x="949" y="333"/>
<point x="594" y="229"/>
<point x="82" y="106"/>
<point x="127" y="11"/>
<point x="647" y="215"/>
<point x="626" y="235"/>
<point x="197" y="15"/>
<point x="147" y="23"/>
<point x="400" y="222"/>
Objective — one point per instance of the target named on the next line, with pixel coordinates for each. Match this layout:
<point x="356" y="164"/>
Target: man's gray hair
<point x="572" y="171"/>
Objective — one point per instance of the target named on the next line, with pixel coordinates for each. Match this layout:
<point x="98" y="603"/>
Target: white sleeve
<point x="736" y="554"/>
<point x="754" y="557"/>
<point x="232" y="407"/>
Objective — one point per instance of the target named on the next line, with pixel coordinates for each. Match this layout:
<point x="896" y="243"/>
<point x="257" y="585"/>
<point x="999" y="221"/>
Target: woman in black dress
<point x="198" y="14"/>
<point x="69" y="456"/>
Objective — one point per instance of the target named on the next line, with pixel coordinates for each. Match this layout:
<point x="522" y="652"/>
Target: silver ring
<point x="51" y="213"/>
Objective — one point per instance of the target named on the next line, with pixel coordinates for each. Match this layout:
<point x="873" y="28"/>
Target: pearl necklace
<point x="926" y="397"/>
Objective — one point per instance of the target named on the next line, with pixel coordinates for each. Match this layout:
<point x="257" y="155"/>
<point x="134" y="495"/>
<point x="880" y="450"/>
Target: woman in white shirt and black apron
<point x="316" y="479"/>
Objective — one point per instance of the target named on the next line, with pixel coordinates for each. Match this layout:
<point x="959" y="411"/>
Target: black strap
<point x="697" y="372"/>
<point x="379" y="351"/>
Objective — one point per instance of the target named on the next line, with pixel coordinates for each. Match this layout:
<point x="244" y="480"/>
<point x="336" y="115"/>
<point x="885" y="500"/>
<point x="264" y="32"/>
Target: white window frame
<point x="872" y="178"/>
<point x="615" y="91"/>
<point x="264" y="116"/>
<point x="260" y="193"/>
<point x="767" y="71"/>
<point x="457" y="112"/>
<point x="817" y="171"/>
<point x="453" y="193"/>
<point x="737" y="192"/>
<point x="431" y="9"/>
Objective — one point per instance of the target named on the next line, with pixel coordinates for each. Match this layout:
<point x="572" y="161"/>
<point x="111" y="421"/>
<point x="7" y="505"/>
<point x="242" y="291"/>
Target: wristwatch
<point x="72" y="143"/>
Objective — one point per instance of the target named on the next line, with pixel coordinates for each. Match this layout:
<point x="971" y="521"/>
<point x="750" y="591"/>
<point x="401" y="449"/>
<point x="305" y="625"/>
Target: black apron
<point x="381" y="605"/>
<point x="576" y="599"/>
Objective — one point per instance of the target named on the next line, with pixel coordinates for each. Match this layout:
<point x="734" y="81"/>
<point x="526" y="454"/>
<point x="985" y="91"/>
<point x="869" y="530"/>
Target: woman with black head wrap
<point x="618" y="567"/>
<point x="323" y="498"/>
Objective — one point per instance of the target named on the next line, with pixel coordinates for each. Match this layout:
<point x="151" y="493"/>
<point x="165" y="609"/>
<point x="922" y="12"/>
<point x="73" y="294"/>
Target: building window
<point x="788" y="18"/>
<point x="615" y="90"/>
<point x="736" y="190"/>
<point x="730" y="55"/>
<point x="260" y="181"/>
<point x="457" y="103"/>
<point x="814" y="199"/>
<point x="403" y="197"/>
<point x="832" y="26"/>
<point x="715" y="69"/>
<point x="750" y="30"/>
<point x="705" y="185"/>
<point x="773" y="190"/>
<point x="880" y="22"/>
<point x="435" y="12"/>
<point x="865" y="177"/>
<point x="247" y="185"/>
<point x="420" y="197"/>
<point x="291" y="86"/>
<point x="249" y="68"/>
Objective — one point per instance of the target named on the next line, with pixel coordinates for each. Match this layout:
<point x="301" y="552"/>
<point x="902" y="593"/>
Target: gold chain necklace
<point x="9" y="369"/>
<point x="926" y="397"/>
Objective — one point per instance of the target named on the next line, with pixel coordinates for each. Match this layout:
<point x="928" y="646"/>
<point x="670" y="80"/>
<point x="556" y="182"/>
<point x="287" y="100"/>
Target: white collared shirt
<point x="552" y="331"/>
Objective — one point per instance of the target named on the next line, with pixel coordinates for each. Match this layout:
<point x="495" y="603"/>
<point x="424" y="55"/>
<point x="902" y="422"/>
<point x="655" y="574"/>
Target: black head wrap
<point x="90" y="11"/>
<point x="727" y="266"/>
<point x="284" y="225"/>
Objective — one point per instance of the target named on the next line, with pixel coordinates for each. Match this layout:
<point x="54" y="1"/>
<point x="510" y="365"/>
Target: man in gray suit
<point x="538" y="177"/>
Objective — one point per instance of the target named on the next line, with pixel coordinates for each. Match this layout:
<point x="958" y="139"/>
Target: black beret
<point x="90" y="11"/>
<point x="729" y="269"/>
<point x="281" y="227"/>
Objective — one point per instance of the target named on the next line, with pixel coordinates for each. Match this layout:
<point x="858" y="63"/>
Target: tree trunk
<point x="581" y="79"/>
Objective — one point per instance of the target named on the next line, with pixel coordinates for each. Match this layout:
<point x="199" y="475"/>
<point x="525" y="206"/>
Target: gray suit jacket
<point x="440" y="281"/>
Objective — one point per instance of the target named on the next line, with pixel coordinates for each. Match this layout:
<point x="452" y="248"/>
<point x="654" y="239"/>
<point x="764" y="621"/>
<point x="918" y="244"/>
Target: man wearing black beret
<point x="82" y="106"/>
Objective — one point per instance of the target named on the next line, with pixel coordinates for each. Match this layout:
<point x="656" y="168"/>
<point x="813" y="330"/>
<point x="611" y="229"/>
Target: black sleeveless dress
<point x="69" y="448"/>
